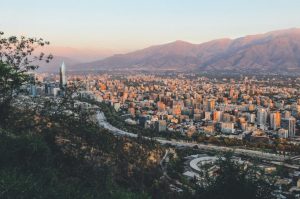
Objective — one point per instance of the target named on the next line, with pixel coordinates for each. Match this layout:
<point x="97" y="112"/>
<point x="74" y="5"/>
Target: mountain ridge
<point x="272" y="51"/>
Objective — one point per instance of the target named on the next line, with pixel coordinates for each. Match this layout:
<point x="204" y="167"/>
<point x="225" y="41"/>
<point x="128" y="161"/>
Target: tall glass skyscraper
<point x="32" y="80"/>
<point x="62" y="75"/>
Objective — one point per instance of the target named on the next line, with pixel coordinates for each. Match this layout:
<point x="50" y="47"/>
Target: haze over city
<point x="109" y="27"/>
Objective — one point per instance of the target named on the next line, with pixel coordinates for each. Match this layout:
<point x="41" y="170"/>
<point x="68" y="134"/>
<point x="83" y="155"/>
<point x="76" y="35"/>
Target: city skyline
<point x="150" y="99"/>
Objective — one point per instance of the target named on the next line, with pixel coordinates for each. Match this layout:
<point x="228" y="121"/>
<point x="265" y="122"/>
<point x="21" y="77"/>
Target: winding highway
<point x="101" y="120"/>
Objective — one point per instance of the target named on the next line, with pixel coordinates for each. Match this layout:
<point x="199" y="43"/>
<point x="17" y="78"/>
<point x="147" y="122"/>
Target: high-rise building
<point x="250" y="117"/>
<point x="217" y="116"/>
<point x="47" y="88"/>
<point x="210" y="104"/>
<point x="161" y="125"/>
<point x="227" y="127"/>
<point x="161" y="106"/>
<point x="290" y="125"/>
<point x="32" y="78"/>
<point x="226" y="117"/>
<point x="275" y="120"/>
<point x="62" y="77"/>
<point x="207" y="115"/>
<point x="287" y="114"/>
<point x="197" y="117"/>
<point x="283" y="133"/>
<point x="177" y="110"/>
<point x="261" y="117"/>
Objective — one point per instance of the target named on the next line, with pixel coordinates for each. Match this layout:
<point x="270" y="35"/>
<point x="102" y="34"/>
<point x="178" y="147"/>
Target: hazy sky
<point x="132" y="24"/>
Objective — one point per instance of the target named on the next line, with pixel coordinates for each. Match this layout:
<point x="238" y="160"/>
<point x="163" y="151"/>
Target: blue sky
<point x="132" y="24"/>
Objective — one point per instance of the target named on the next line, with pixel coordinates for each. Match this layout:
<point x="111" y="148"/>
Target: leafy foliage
<point x="72" y="162"/>
<point x="235" y="180"/>
<point x="16" y="60"/>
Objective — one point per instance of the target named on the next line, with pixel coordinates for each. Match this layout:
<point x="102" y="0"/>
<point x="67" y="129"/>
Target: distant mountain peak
<point x="180" y="42"/>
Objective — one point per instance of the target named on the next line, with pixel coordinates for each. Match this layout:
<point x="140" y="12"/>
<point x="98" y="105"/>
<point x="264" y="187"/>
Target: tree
<point x="235" y="180"/>
<point x="17" y="59"/>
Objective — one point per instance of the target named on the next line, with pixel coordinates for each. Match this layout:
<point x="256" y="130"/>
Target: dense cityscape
<point x="243" y="108"/>
<point x="150" y="99"/>
<point x="248" y="113"/>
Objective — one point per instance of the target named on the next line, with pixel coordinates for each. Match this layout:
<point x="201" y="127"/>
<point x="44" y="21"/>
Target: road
<point x="101" y="119"/>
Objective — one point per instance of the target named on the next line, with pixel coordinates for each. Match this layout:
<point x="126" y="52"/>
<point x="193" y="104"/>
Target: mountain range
<point x="276" y="51"/>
